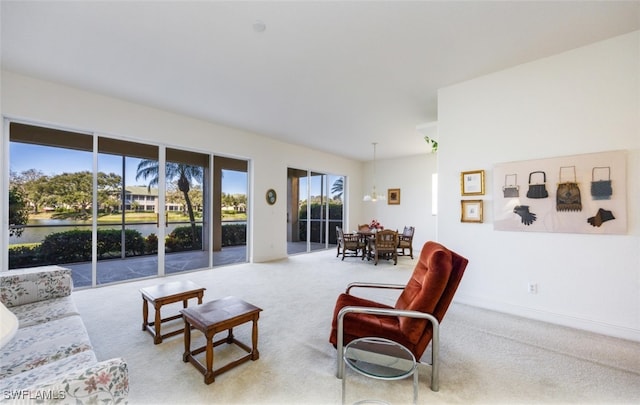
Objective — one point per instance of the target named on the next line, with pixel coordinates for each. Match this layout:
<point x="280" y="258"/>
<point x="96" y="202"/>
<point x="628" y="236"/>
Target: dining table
<point x="368" y="236"/>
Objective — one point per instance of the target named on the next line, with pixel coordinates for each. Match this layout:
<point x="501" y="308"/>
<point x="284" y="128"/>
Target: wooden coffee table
<point x="217" y="316"/>
<point x="162" y="294"/>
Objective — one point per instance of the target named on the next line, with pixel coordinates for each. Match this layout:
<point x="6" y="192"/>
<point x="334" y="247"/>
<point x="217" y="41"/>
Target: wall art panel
<point x="572" y="194"/>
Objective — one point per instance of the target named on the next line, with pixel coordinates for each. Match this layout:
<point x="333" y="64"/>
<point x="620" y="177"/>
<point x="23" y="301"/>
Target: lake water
<point x="49" y="226"/>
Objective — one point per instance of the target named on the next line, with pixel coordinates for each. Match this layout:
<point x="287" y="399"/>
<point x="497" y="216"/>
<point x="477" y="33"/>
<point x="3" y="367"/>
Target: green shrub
<point x="151" y="244"/>
<point x="110" y="242"/>
<point x="181" y="239"/>
<point x="66" y="247"/>
<point x="24" y="256"/>
<point x="75" y="246"/>
<point x="234" y="235"/>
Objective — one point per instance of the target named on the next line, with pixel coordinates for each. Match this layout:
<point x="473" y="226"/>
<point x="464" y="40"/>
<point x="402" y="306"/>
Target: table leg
<point x="209" y="376"/>
<point x="145" y="314"/>
<point x="187" y="341"/>
<point x="255" y="355"/>
<point x="158" y="322"/>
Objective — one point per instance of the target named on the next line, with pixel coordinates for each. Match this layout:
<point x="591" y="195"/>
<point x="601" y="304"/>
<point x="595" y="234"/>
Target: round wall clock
<point x="271" y="196"/>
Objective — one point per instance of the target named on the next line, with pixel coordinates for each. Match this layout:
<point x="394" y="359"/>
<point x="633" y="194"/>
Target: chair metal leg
<point x="435" y="338"/>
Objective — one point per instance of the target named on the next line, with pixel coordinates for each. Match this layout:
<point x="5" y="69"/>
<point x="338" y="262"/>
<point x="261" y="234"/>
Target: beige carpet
<point x="486" y="357"/>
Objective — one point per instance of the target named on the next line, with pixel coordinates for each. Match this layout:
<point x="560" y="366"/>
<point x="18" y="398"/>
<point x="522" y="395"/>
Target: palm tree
<point x="338" y="187"/>
<point x="148" y="169"/>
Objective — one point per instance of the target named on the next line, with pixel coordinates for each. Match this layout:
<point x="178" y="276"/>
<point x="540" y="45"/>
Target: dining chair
<point x="350" y="243"/>
<point x="384" y="245"/>
<point x="405" y="241"/>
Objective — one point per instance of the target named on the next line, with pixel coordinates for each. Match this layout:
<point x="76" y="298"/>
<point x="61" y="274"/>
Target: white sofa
<point x="49" y="358"/>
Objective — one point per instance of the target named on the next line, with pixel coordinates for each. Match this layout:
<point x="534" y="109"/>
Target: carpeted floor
<point x="486" y="357"/>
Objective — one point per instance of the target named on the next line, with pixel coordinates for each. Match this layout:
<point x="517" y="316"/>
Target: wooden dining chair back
<point x="351" y="244"/>
<point x="405" y="241"/>
<point x="384" y="246"/>
<point x="339" y="233"/>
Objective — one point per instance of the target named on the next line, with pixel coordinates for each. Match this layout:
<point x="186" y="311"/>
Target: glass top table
<point x="382" y="359"/>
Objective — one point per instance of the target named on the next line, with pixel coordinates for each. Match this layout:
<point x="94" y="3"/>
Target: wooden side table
<point x="162" y="294"/>
<point x="217" y="316"/>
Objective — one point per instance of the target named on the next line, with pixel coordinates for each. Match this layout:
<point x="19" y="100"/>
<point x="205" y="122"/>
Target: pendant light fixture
<point x="374" y="196"/>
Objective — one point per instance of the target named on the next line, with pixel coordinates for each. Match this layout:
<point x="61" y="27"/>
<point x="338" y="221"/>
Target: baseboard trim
<point x="551" y="317"/>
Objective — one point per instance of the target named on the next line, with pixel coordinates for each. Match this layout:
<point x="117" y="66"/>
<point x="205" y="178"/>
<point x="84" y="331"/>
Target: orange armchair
<point x="415" y="319"/>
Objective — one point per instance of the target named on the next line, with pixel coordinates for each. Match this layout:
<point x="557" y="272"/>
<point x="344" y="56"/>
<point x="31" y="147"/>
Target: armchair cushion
<point x="424" y="289"/>
<point x="359" y="325"/>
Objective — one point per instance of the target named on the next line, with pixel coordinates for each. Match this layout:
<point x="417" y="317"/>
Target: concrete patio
<point x="131" y="268"/>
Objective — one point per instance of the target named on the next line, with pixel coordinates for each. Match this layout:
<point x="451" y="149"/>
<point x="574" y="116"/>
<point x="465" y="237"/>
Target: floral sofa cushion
<point x="48" y="372"/>
<point x="106" y="382"/>
<point x="45" y="311"/>
<point x="24" y="286"/>
<point x="43" y="343"/>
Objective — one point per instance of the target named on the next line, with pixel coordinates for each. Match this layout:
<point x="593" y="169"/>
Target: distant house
<point x="140" y="198"/>
<point x="241" y="207"/>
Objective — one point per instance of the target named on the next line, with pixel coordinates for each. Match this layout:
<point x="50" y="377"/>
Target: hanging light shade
<point x="374" y="196"/>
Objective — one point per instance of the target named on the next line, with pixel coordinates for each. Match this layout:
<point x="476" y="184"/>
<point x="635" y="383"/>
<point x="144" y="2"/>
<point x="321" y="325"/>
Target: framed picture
<point x="471" y="211"/>
<point x="472" y="183"/>
<point x="271" y="196"/>
<point x="393" y="196"/>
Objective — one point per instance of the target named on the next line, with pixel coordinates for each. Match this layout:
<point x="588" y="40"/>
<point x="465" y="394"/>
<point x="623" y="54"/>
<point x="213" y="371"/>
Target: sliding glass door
<point x="127" y="217"/>
<point x="314" y="209"/>
<point x="187" y="243"/>
<point x="51" y="191"/>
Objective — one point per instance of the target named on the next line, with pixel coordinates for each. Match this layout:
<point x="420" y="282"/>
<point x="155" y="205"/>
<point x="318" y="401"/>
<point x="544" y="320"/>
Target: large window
<point x="115" y="210"/>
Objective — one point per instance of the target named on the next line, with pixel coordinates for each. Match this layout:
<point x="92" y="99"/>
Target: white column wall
<point x="582" y="101"/>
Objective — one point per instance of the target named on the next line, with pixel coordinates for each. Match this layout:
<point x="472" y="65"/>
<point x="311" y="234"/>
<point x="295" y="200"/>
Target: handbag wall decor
<point x="568" y="196"/>
<point x="602" y="175"/>
<point x="601" y="189"/>
<point x="512" y="190"/>
<point x="538" y="190"/>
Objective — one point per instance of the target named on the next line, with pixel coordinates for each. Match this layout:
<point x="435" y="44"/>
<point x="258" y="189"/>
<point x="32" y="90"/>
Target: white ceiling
<point x="331" y="75"/>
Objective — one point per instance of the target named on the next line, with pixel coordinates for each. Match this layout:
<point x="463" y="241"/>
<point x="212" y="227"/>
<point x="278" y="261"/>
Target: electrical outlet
<point x="532" y="288"/>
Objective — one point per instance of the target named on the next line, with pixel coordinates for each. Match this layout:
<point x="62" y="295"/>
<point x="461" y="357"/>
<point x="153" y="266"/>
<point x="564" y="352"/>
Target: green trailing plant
<point x="433" y="143"/>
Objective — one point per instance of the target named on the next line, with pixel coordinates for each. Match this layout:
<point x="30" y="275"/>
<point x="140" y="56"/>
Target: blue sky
<point x="51" y="161"/>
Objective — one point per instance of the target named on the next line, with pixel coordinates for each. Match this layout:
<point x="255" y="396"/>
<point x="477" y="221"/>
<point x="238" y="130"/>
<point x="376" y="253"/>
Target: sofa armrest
<point x="105" y="382"/>
<point x="24" y="286"/>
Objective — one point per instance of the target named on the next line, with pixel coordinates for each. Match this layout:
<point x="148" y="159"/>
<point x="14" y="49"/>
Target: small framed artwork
<point x="393" y="196"/>
<point x="271" y="196"/>
<point x="472" y="183"/>
<point x="471" y="211"/>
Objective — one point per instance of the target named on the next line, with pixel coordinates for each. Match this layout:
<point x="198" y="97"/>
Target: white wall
<point x="48" y="103"/>
<point x="412" y="175"/>
<point x="583" y="101"/>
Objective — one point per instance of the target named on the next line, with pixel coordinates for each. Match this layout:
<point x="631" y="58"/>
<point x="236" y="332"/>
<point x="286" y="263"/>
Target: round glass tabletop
<point x="379" y="358"/>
